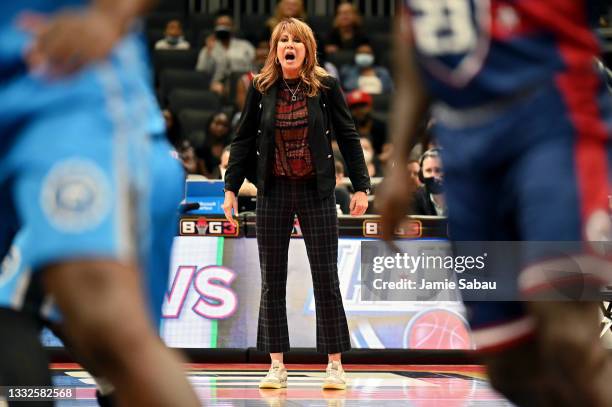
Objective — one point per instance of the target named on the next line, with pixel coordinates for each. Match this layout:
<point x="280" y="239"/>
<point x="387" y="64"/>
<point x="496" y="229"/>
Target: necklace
<point x="293" y="92"/>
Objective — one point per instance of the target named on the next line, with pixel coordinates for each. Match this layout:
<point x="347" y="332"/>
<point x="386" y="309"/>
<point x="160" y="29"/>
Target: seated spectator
<point x="172" y="131"/>
<point x="429" y="198"/>
<point x="192" y="164"/>
<point x="242" y="86"/>
<point x="360" y="104"/>
<point x="218" y="136"/>
<point x="343" y="197"/>
<point x="413" y="172"/>
<point x="247" y="188"/>
<point x="328" y="66"/>
<point x="346" y="33"/>
<point x="372" y="162"/>
<point x="364" y="75"/>
<point x="173" y="37"/>
<point x="224" y="54"/>
<point x="284" y="9"/>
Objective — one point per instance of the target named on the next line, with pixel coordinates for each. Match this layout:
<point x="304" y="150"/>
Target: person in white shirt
<point x="173" y="37"/>
<point x="224" y="53"/>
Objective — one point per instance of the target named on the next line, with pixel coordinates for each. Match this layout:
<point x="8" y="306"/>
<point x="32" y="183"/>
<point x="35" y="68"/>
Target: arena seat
<point x="194" y="120"/>
<point x="170" y="79"/>
<point x="342" y="57"/>
<point x="193" y="99"/>
<point x="321" y="25"/>
<point x="169" y="59"/>
<point x="253" y="26"/>
<point x="376" y="25"/>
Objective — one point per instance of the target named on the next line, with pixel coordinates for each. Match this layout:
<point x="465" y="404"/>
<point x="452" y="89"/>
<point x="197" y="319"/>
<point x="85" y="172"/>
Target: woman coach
<point x="284" y="139"/>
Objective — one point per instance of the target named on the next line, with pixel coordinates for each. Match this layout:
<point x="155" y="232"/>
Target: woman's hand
<point x="359" y="203"/>
<point x="230" y="203"/>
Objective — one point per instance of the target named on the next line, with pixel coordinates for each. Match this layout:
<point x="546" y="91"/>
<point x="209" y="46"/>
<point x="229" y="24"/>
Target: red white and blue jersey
<point x="475" y="51"/>
<point x="525" y="123"/>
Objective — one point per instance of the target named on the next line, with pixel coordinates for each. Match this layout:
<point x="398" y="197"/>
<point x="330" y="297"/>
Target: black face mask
<point x="434" y="185"/>
<point x="222" y="33"/>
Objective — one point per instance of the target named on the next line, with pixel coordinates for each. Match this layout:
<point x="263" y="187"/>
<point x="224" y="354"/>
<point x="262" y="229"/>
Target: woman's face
<point x="290" y="8"/>
<point x="219" y="127"/>
<point x="291" y="53"/>
<point x="346" y="15"/>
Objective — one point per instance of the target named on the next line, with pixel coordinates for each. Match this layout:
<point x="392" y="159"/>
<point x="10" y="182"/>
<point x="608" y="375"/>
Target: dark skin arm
<point x="69" y="40"/>
<point x="410" y="104"/>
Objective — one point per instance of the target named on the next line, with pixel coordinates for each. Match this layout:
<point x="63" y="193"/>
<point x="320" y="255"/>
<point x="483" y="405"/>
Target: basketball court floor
<point x="236" y="385"/>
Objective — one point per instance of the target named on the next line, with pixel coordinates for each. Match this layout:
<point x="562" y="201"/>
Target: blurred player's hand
<point x="68" y="41"/>
<point x="393" y="197"/>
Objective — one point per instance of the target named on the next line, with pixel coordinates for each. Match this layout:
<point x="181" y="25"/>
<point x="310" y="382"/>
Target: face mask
<point x="364" y="60"/>
<point x="434" y="185"/>
<point x="172" y="40"/>
<point x="223" y="32"/>
<point x="368" y="156"/>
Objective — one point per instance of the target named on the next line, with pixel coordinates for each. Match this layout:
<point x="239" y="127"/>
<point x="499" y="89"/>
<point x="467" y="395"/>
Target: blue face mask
<point x="364" y="60"/>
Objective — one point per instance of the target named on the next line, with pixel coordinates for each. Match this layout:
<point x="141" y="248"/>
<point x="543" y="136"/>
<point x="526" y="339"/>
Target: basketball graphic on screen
<point x="437" y="329"/>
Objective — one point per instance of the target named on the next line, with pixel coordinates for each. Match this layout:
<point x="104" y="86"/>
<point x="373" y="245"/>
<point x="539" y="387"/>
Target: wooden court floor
<point x="369" y="385"/>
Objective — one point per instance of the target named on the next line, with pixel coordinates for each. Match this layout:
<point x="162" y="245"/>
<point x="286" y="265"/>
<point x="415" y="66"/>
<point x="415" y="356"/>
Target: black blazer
<point x="252" y="149"/>
<point x="422" y="204"/>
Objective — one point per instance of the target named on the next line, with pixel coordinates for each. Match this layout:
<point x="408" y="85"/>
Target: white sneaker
<point x="276" y="377"/>
<point x="335" y="378"/>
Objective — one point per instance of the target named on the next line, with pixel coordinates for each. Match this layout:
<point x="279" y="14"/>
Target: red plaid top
<point x="293" y="158"/>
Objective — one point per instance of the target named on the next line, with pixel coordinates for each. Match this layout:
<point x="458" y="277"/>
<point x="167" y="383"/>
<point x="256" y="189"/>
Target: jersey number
<point x="443" y="26"/>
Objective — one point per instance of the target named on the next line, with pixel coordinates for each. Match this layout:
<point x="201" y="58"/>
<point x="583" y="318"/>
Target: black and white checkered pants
<point x="319" y="223"/>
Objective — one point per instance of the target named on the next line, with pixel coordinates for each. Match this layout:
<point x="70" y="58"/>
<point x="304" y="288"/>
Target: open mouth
<point x="290" y="56"/>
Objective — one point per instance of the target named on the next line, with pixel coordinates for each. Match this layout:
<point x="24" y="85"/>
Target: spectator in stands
<point x="224" y="53"/>
<point x="261" y="53"/>
<point x="218" y="136"/>
<point x="172" y="132"/>
<point x="284" y="9"/>
<point x="413" y="172"/>
<point x="367" y="125"/>
<point x="372" y="162"/>
<point x="247" y="188"/>
<point x="364" y="75"/>
<point x="173" y="37"/>
<point x="346" y="33"/>
<point x="343" y="197"/>
<point x="192" y="164"/>
<point x="327" y="65"/>
<point x="429" y="198"/>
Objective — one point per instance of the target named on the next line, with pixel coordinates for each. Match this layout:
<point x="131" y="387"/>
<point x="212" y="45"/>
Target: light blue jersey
<point x="20" y="289"/>
<point x="74" y="152"/>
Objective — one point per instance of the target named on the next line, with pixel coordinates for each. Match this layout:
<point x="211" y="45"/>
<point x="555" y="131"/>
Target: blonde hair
<point x="311" y="74"/>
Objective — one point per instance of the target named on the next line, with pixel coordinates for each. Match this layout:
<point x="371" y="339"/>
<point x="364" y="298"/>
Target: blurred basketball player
<point x="525" y="124"/>
<point x="73" y="172"/>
